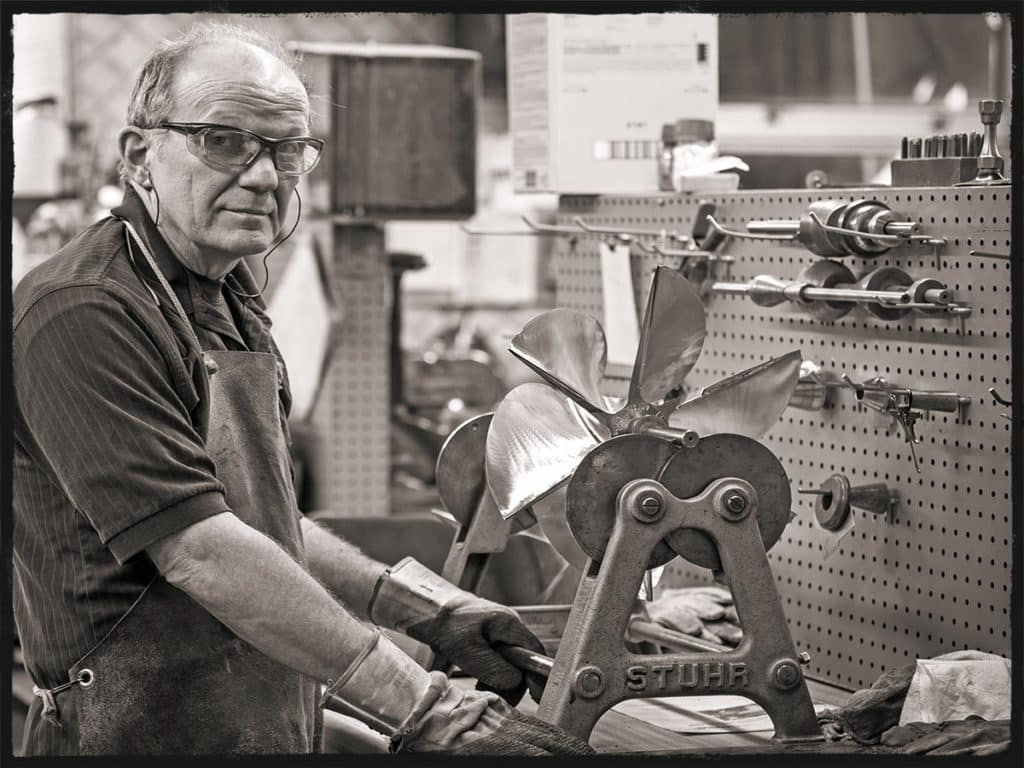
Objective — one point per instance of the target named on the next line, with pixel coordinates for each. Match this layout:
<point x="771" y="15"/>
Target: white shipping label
<point x="621" y="326"/>
<point x="527" y="44"/>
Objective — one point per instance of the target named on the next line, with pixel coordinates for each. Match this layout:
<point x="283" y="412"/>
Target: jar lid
<point x="694" y="130"/>
<point x="668" y="133"/>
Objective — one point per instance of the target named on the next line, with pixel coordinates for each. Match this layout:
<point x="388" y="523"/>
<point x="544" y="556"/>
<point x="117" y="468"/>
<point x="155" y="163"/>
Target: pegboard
<point x="937" y="577"/>
<point x="352" y="414"/>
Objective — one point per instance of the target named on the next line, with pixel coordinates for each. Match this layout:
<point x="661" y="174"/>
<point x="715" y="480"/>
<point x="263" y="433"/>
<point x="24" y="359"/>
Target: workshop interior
<point x="594" y="313"/>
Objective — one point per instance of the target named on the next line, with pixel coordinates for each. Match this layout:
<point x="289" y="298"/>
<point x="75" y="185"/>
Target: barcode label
<point x="626" y="149"/>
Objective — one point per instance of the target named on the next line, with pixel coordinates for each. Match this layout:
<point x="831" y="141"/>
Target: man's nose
<point x="262" y="174"/>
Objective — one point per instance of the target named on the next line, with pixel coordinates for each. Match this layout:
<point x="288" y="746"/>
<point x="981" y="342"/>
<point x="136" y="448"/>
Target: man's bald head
<point x="152" y="100"/>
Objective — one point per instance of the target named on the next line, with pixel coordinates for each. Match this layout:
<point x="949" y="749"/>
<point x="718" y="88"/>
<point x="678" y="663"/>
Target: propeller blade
<point x="671" y="337"/>
<point x="535" y="441"/>
<point x="551" y="514"/>
<point x="568" y="350"/>
<point x="747" y="403"/>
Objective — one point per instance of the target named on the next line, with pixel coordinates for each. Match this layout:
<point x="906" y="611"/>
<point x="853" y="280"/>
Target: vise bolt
<point x="786" y="674"/>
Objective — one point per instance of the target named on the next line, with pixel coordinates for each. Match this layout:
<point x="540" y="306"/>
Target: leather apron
<point x="169" y="678"/>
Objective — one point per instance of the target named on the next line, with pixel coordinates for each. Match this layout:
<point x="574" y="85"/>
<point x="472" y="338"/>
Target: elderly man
<point x="169" y="596"/>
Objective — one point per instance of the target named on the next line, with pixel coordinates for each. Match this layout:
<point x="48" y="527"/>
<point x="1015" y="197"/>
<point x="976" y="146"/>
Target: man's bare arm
<point x="258" y="591"/>
<point x="339" y="565"/>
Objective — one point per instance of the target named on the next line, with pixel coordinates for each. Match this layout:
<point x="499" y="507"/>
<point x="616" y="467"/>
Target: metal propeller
<point x="540" y="433"/>
<point x="746" y="403"/>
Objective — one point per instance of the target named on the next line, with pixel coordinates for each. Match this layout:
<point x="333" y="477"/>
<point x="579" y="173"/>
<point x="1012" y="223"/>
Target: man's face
<point x="214" y="216"/>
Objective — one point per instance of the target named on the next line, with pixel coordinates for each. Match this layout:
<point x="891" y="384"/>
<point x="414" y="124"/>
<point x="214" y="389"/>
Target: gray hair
<point x="152" y="98"/>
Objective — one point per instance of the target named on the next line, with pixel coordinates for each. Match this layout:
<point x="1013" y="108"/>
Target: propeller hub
<point x="635" y="418"/>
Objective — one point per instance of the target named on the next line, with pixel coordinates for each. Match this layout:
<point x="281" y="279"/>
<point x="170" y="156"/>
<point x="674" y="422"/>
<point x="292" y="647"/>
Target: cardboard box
<point x="588" y="95"/>
<point x="401" y="129"/>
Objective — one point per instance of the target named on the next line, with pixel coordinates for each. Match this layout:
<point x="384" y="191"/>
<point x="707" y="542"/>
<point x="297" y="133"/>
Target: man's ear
<point x="135" y="147"/>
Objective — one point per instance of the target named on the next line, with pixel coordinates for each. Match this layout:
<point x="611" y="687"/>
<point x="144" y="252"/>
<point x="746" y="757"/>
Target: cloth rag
<point x="956" y="686"/>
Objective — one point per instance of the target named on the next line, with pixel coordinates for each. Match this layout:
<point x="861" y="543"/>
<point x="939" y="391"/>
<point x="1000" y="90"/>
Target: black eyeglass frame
<point x="194" y="129"/>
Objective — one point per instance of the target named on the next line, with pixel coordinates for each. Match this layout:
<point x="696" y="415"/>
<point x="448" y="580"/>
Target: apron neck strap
<point x="131" y="234"/>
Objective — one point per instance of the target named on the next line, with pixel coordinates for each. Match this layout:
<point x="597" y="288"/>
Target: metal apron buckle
<point x="50" y="712"/>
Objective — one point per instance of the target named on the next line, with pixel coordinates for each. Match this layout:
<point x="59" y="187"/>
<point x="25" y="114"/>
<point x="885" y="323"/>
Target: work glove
<point x="457" y="625"/>
<point x="423" y="712"/>
<point x="972" y="736"/>
<point x="705" y="612"/>
<point x="458" y="722"/>
<point x="870" y="712"/>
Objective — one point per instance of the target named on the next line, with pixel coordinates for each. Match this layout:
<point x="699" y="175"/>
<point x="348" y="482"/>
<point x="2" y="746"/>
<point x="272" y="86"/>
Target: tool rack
<point x="935" y="577"/>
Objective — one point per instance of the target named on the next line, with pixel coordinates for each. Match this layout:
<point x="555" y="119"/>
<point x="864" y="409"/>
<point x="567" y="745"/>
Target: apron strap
<point x="131" y="234"/>
<point x="50" y="713"/>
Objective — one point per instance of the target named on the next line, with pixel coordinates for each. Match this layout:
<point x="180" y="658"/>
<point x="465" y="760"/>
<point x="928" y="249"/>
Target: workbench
<point x="618" y="732"/>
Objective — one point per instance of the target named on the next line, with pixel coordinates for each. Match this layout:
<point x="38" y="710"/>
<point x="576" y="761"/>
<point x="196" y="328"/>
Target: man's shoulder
<point x="94" y="262"/>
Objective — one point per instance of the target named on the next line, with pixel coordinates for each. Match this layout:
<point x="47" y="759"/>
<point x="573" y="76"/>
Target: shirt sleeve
<point x="97" y="406"/>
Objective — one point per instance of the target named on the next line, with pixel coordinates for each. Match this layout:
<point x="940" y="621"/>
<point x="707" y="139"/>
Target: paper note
<point x="702" y="714"/>
<point x="620" y="323"/>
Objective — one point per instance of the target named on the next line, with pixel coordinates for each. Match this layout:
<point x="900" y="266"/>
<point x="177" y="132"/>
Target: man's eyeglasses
<point x="235" y="148"/>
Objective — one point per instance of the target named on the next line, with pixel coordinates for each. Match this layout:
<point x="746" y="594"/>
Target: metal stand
<point x="593" y="671"/>
<point x="482" y="532"/>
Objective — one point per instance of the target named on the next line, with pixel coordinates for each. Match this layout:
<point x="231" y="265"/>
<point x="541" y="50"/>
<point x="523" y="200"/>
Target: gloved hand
<point x="423" y="712"/>
<point x="456" y="624"/>
<point x="706" y="612"/>
<point x="972" y="736"/>
<point x="447" y="719"/>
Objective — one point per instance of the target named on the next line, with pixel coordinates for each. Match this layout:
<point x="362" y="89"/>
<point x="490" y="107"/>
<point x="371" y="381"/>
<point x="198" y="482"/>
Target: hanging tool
<point x="990" y="162"/>
<point x="836" y="496"/>
<point x="836" y="228"/>
<point x="828" y="290"/>
<point x="714" y="498"/>
<point x="906" y="406"/>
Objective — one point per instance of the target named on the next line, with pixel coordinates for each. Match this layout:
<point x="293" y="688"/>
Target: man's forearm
<point x="252" y="586"/>
<point x="339" y="565"/>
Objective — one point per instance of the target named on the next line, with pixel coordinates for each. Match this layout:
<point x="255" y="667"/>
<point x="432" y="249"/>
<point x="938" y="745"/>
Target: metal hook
<point x="936" y="243"/>
<point x="478" y="231"/>
<point x="745" y="235"/>
<point x="549" y="229"/>
<point x="999" y="398"/>
<point x="627" y="234"/>
<point x="859" y="388"/>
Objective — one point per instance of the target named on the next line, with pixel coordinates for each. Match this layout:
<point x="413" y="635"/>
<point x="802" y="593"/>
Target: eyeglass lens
<point x="229" y="147"/>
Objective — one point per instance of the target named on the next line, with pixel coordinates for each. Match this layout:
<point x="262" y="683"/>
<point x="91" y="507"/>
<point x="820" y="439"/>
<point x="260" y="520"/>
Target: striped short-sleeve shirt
<point x="109" y="448"/>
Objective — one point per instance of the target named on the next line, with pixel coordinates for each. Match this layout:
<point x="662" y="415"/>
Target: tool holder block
<point x="593" y="671"/>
